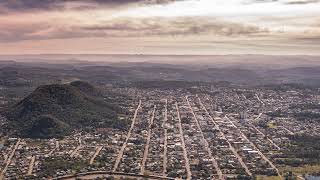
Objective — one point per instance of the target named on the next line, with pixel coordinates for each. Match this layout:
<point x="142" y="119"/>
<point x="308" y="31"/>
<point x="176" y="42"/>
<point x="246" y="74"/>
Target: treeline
<point x="303" y="150"/>
<point x="287" y="87"/>
<point x="300" y="116"/>
<point x="305" y="116"/>
<point x="166" y="84"/>
<point x="306" y="106"/>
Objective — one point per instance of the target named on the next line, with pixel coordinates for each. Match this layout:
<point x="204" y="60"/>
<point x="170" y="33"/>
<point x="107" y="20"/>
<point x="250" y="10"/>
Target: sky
<point x="179" y="27"/>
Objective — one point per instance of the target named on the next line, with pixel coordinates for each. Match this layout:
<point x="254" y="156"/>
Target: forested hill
<point x="55" y="110"/>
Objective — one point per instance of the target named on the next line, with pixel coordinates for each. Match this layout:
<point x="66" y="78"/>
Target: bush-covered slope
<point x="46" y="126"/>
<point x="74" y="105"/>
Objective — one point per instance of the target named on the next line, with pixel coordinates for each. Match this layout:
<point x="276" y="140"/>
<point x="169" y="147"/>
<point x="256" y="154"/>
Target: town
<point x="201" y="132"/>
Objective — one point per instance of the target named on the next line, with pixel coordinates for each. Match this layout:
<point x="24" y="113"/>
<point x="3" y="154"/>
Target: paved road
<point x="95" y="154"/>
<point x="54" y="149"/>
<point x="74" y="152"/>
<point x="235" y="153"/>
<point x="165" y="148"/>
<point x="254" y="127"/>
<point x="255" y="147"/>
<point x="9" y="160"/>
<point x="259" y="99"/>
<point x="117" y="175"/>
<point x="274" y="144"/>
<point x="185" y="155"/>
<point x="146" y="148"/>
<point x="57" y="144"/>
<point x="214" y="162"/>
<point x="119" y="157"/>
<point x="258" y="117"/>
<point x="31" y="165"/>
<point x="290" y="132"/>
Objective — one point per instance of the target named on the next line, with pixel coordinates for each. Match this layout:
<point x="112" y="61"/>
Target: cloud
<point x="300" y="1"/>
<point x="283" y="1"/>
<point x="175" y="26"/>
<point x="73" y="21"/>
<point x="126" y="27"/>
<point x="9" y="6"/>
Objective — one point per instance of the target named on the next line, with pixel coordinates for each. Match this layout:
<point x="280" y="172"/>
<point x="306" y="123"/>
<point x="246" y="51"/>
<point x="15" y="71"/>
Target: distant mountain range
<point x="245" y="61"/>
<point x="33" y="74"/>
<point x="57" y="109"/>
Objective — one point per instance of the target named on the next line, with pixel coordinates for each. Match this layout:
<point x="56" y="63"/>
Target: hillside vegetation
<point x="55" y="110"/>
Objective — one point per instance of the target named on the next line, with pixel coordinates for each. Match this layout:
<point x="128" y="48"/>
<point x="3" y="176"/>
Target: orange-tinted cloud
<point x="159" y="26"/>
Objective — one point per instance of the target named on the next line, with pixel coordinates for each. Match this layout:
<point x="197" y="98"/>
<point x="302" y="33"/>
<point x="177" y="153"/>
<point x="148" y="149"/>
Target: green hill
<point x="47" y="126"/>
<point x="71" y="106"/>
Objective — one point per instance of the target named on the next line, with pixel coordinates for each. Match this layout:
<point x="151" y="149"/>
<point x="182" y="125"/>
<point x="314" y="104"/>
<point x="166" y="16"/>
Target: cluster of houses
<point x="216" y="133"/>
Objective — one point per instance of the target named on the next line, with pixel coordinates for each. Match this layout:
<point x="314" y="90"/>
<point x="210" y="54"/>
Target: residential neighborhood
<point x="216" y="133"/>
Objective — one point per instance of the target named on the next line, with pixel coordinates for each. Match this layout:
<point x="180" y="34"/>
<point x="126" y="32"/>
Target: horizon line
<point x="106" y="54"/>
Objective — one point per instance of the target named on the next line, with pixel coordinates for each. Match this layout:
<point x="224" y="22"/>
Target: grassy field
<point x="301" y="170"/>
<point x="2" y="140"/>
<point x="268" y="178"/>
<point x="34" y="143"/>
<point x="272" y="125"/>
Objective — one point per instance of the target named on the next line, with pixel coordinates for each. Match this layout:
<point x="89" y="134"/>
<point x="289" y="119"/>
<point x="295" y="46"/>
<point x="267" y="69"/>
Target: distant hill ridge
<point x="55" y="110"/>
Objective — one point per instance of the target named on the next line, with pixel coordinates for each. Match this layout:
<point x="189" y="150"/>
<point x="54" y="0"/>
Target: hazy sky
<point x="160" y="26"/>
